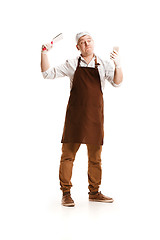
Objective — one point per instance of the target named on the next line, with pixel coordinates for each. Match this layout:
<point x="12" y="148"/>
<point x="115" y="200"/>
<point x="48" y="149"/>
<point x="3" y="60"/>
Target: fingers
<point x="115" y="51"/>
<point x="44" y="47"/>
<point x="47" y="46"/>
<point x="116" y="59"/>
<point x="114" y="55"/>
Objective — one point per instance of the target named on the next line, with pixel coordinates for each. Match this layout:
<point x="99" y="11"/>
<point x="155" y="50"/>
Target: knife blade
<point x="57" y="38"/>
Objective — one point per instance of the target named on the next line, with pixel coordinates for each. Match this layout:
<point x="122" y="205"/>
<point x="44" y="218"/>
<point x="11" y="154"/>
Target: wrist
<point x="44" y="52"/>
<point x="117" y="66"/>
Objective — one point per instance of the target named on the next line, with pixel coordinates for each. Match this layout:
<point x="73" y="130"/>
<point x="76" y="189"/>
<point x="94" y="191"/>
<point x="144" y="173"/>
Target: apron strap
<point x="79" y="59"/>
<point x="96" y="64"/>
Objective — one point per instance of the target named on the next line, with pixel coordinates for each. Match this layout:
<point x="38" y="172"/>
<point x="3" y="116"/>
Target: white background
<point x="32" y="112"/>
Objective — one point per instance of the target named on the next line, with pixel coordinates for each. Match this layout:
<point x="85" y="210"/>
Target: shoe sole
<point x="105" y="201"/>
<point x="68" y="205"/>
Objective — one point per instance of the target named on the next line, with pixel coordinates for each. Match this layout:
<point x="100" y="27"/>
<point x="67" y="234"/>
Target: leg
<point x="66" y="164"/>
<point x="94" y="167"/>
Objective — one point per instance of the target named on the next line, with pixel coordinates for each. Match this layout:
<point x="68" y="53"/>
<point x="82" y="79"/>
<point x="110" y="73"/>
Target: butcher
<point x="84" y="119"/>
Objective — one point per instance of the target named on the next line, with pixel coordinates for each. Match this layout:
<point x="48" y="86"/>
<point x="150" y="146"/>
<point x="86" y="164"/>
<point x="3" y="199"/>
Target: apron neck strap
<point x="96" y="64"/>
<point x="79" y="59"/>
<point x="95" y="61"/>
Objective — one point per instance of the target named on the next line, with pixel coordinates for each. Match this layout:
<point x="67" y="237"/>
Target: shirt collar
<point x="82" y="59"/>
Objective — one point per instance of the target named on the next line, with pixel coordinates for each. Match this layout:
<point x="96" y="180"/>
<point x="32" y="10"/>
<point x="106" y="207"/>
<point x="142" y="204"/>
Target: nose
<point x="87" y="43"/>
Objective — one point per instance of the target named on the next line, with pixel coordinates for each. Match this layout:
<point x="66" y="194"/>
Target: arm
<point x="54" y="72"/>
<point x="44" y="62"/>
<point x="66" y="69"/>
<point x="118" y="74"/>
<point x="44" y="57"/>
<point x="63" y="70"/>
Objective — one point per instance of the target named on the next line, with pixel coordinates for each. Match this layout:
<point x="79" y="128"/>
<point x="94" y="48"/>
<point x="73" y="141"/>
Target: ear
<point x="77" y="47"/>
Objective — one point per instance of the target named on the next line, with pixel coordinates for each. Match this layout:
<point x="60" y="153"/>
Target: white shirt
<point x="106" y="70"/>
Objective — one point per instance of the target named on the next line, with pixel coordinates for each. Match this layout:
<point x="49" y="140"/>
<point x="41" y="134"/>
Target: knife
<point x="57" y="38"/>
<point x="54" y="40"/>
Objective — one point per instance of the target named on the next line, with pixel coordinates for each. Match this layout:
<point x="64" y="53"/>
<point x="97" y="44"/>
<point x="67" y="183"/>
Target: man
<point x="84" y="115"/>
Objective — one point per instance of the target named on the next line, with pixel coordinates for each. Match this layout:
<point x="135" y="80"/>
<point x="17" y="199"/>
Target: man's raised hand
<point x="46" y="47"/>
<point x="116" y="58"/>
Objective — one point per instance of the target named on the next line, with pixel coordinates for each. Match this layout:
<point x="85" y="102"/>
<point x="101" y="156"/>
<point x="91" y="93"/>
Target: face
<point x="85" y="45"/>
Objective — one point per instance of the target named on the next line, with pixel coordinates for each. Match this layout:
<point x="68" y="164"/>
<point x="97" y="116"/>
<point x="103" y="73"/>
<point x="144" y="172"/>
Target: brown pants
<point x="94" y="165"/>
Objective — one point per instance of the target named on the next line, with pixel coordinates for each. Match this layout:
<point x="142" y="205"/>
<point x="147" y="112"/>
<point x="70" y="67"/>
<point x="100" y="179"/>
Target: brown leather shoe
<point x="99" y="197"/>
<point x="67" y="201"/>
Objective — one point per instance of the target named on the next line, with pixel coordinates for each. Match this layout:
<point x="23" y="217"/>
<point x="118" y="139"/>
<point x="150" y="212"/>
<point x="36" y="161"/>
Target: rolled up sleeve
<point x="49" y="73"/>
<point x="109" y="73"/>
<point x="62" y="70"/>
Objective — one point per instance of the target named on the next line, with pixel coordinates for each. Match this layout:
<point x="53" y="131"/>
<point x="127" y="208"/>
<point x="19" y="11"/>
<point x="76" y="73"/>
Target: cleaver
<point x="54" y="40"/>
<point x="57" y="38"/>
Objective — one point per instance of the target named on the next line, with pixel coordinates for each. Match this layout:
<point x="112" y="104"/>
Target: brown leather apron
<point x="84" y="116"/>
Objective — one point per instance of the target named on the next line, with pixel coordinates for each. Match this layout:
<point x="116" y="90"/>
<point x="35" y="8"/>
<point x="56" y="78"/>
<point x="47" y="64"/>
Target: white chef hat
<point x="78" y="35"/>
